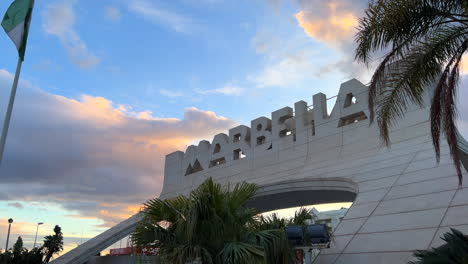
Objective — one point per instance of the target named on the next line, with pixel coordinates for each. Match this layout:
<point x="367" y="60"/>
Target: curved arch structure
<point x="302" y="192"/>
<point x="403" y="199"/>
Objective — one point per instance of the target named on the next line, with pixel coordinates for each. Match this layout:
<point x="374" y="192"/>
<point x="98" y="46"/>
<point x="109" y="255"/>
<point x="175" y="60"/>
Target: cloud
<point x="286" y="71"/>
<point x="225" y="90"/>
<point x="112" y="14"/>
<point x="58" y="19"/>
<point x="334" y="24"/>
<point x="91" y="155"/>
<point x="170" y="93"/>
<point x="4" y="197"/>
<point x="331" y="22"/>
<point x="290" y="58"/>
<point x="153" y="13"/>
<point x="319" y="44"/>
<point x="464" y="65"/>
<point x="16" y="205"/>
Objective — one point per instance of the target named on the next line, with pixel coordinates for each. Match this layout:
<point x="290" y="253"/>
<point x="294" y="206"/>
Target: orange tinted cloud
<point x="331" y="23"/>
<point x="464" y="65"/>
<point x="125" y="212"/>
<point x="95" y="158"/>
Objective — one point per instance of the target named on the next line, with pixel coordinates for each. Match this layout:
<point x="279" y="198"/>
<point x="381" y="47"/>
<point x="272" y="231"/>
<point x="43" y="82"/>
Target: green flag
<point x="16" y="23"/>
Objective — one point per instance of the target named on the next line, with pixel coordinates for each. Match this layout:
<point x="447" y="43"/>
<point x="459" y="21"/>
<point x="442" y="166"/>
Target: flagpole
<point x="21" y="51"/>
<point x="6" y="121"/>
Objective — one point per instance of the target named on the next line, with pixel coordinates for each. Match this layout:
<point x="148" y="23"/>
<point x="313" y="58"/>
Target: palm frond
<point x="165" y="210"/>
<point x="426" y="40"/>
<point x="241" y="253"/>
<point x="300" y="217"/>
<point x="450" y="112"/>
<point x="455" y="250"/>
<point x="242" y="193"/>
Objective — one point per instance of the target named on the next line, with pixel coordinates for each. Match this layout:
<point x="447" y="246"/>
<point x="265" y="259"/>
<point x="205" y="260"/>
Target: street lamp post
<point x="8" y="235"/>
<point x="37" y="228"/>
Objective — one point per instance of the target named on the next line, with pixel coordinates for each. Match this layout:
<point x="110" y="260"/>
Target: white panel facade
<point x="405" y="199"/>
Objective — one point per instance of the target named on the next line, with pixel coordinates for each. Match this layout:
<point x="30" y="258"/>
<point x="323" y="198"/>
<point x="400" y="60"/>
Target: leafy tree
<point x="20" y="255"/>
<point x="211" y="225"/>
<point x="454" y="251"/>
<point x="18" y="248"/>
<point x="424" y="43"/>
<point x="33" y="256"/>
<point x="53" y="244"/>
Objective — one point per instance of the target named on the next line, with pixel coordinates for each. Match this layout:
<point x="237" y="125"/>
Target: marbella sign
<point x="286" y="128"/>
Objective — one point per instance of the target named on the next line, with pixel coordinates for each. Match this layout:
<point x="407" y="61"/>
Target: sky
<point x="109" y="87"/>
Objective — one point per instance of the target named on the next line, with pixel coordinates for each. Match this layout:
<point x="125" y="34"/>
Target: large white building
<point x="403" y="200"/>
<point x="331" y="218"/>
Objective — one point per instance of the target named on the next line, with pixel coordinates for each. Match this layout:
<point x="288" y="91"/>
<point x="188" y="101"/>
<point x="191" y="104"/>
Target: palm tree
<point x="53" y="244"/>
<point x="301" y="217"/>
<point x="211" y="225"/>
<point x="283" y="253"/>
<point x="455" y="250"/>
<point x="272" y="221"/>
<point x="425" y="41"/>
